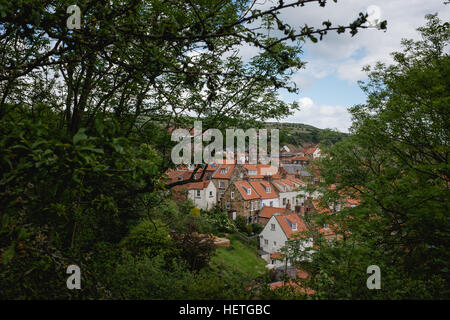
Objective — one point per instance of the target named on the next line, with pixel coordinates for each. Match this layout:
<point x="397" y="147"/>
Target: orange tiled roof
<point x="268" y="212"/>
<point x="310" y="150"/>
<point x="219" y="175"/>
<point x="276" y="255"/>
<point x="193" y="185"/>
<point x="293" y="218"/>
<point x="260" y="186"/>
<point x="242" y="186"/>
<point x="296" y="180"/>
<point x="281" y="186"/>
<point x="300" y="158"/>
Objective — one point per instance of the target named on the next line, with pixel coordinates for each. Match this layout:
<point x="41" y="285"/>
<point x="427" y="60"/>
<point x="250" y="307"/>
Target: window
<point x="251" y="206"/>
<point x="294" y="227"/>
<point x="271" y="203"/>
<point x="326" y="226"/>
<point x="284" y="201"/>
<point x="211" y="194"/>
<point x="272" y="226"/>
<point x="268" y="190"/>
<point x="180" y="178"/>
<point x="221" y="185"/>
<point x="198" y="193"/>
<point x="266" y="242"/>
<point x="232" y="194"/>
<point x="228" y="206"/>
<point x="220" y="196"/>
<point x="249" y="191"/>
<point x="274" y="243"/>
<point x="224" y="171"/>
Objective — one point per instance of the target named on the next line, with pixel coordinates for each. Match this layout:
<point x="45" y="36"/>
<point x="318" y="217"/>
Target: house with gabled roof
<point x="202" y="193"/>
<point x="267" y="212"/>
<point x="288" y="194"/>
<point x="313" y="152"/>
<point x="240" y="198"/>
<point x="268" y="194"/>
<point x="278" y="231"/>
<point x="225" y="175"/>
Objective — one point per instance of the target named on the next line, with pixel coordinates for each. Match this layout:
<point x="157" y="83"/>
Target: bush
<point x="257" y="228"/>
<point x="249" y="229"/>
<point x="241" y="224"/>
<point x="150" y="238"/>
<point x="195" y="212"/>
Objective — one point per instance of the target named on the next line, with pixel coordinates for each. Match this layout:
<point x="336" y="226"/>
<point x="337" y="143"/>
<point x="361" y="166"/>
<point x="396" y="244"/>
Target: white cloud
<point x="343" y="55"/>
<point x="321" y="116"/>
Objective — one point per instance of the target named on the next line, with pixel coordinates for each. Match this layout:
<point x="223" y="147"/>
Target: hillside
<point x="303" y="135"/>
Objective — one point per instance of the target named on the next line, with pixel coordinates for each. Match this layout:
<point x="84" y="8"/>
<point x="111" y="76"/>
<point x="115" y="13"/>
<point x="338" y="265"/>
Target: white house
<point x="279" y="230"/>
<point x="204" y="194"/>
<point x="288" y="195"/>
<point x="316" y="153"/>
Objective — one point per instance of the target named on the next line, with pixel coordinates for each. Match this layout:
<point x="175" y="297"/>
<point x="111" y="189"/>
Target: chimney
<point x="288" y="205"/>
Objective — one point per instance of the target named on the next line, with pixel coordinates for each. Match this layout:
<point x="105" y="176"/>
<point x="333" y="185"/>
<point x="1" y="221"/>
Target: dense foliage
<point x="396" y="162"/>
<point x="83" y="145"/>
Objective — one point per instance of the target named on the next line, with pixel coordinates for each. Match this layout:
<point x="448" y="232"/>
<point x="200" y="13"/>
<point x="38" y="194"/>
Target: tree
<point x="395" y="161"/>
<point x="81" y="112"/>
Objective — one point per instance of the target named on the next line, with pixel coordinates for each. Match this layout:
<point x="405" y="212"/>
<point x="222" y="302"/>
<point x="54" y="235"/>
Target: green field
<point x="240" y="257"/>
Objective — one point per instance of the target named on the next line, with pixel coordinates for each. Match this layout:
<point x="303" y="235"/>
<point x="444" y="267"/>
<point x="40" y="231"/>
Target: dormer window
<point x="294" y="227"/>
<point x="249" y="191"/>
<point x="252" y="172"/>
<point x="224" y="171"/>
<point x="180" y="178"/>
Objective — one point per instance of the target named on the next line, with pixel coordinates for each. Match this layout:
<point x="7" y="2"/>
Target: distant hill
<point x="304" y="135"/>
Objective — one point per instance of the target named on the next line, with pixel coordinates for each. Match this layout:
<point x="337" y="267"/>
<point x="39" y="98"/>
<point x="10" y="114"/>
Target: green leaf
<point x="9" y="253"/>
<point x="96" y="150"/>
<point x="80" y="136"/>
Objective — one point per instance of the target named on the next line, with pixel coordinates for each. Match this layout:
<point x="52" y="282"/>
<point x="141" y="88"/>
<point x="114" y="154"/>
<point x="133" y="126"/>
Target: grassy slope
<point x="243" y="259"/>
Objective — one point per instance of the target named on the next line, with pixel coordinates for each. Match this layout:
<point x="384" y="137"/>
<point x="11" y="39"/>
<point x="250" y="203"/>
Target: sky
<point x="329" y="83"/>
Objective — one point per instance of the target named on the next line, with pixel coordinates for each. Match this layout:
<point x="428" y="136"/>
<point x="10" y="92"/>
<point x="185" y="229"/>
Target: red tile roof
<point x="286" y="227"/>
<point x="296" y="180"/>
<point x="242" y="186"/>
<point x="310" y="150"/>
<point x="276" y="255"/>
<point x="260" y="187"/>
<point x="267" y="212"/>
<point x="300" y="158"/>
<point x="193" y="185"/>
<point x="281" y="186"/>
<point x="353" y="201"/>
<point x="229" y="170"/>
